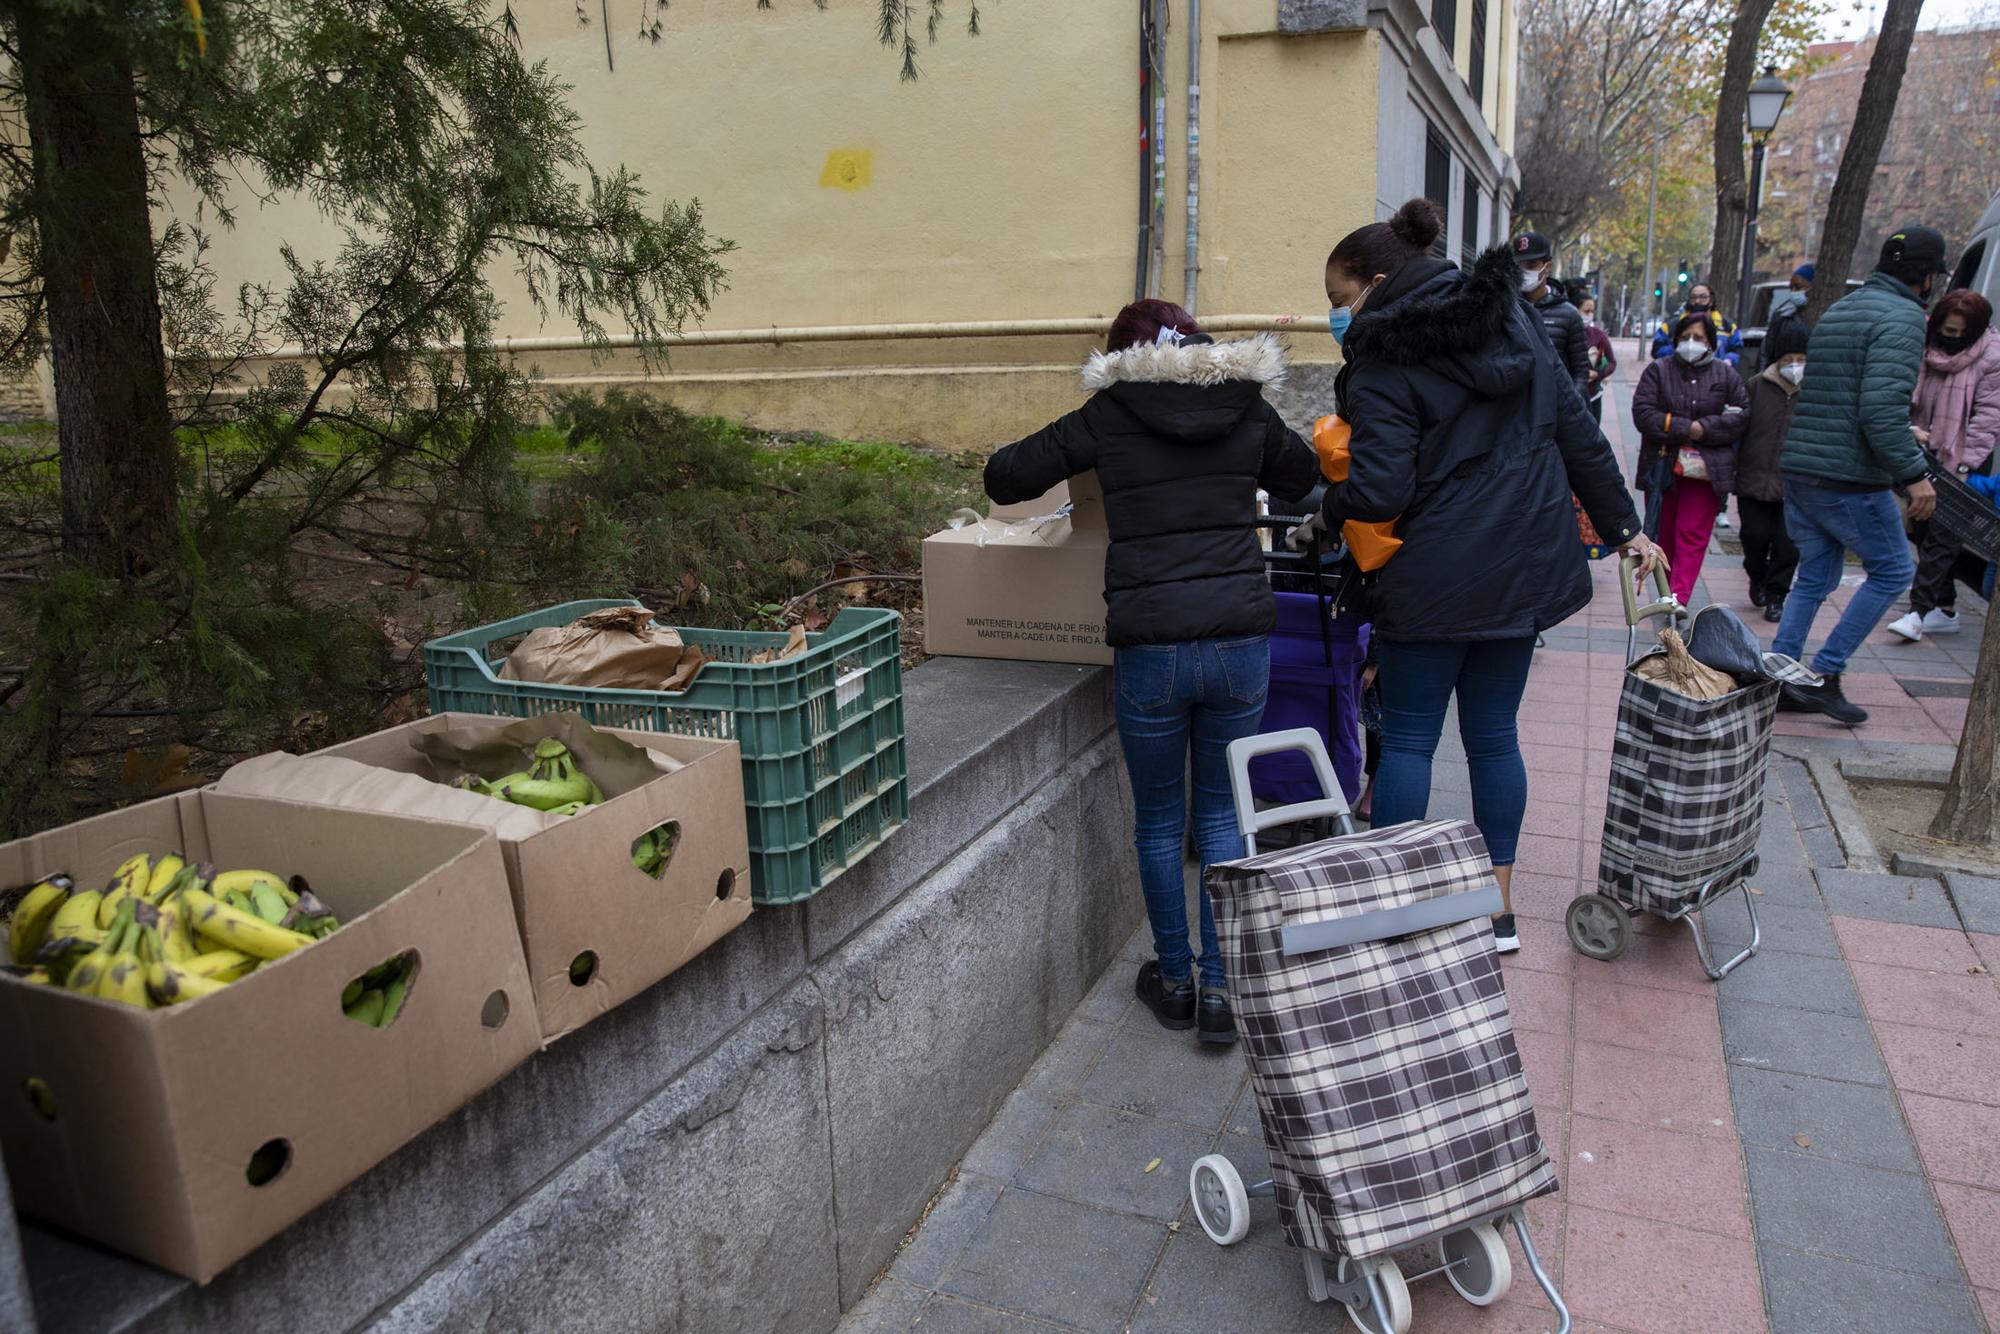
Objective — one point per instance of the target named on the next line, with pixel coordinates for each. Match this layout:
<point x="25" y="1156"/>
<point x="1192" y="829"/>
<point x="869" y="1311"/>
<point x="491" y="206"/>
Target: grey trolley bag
<point x="1686" y="803"/>
<point x="1371" y="1008"/>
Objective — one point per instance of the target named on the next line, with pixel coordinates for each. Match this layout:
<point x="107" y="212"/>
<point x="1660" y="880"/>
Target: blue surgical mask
<point x="1338" y="319"/>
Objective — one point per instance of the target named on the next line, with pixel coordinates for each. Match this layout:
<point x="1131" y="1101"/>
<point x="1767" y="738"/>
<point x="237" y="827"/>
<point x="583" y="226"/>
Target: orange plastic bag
<point x="1370" y="543"/>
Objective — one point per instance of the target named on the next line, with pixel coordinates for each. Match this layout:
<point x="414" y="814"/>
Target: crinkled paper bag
<point x="617" y="648"/>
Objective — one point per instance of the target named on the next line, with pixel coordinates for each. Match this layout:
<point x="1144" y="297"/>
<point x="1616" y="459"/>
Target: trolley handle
<point x="1389" y="923"/>
<point x="1249" y="820"/>
<point x="1665" y="605"/>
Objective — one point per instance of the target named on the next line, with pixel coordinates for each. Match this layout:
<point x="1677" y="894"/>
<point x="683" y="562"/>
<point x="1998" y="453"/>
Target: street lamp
<point x="1765" y="104"/>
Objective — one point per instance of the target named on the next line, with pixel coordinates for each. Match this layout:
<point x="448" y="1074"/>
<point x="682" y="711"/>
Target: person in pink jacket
<point x="1956" y="415"/>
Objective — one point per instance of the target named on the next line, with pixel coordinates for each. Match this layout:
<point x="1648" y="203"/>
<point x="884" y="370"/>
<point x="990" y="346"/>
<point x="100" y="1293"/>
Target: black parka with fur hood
<point x="1181" y="438"/>
<point x="1470" y="431"/>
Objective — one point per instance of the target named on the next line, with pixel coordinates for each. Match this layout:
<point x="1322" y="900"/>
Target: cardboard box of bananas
<point x="162" y="932"/>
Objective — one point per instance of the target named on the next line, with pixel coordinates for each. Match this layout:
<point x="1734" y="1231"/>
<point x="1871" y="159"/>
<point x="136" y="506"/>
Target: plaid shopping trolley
<point x="1686" y="800"/>
<point x="1371" y="1007"/>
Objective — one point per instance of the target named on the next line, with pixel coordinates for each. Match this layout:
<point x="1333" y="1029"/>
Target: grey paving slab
<point x="954" y="1219"/>
<point x="1822" y="848"/>
<point x="1788" y="887"/>
<point x="1153" y="1072"/>
<point x="1009" y="1140"/>
<point x="1797" y="980"/>
<point x="1853" y="1123"/>
<point x="1848" y="1211"/>
<point x="949" y="1315"/>
<point x="1065" y="1061"/>
<point x="1097" y="1155"/>
<point x="1803" y="797"/>
<point x="1110" y="997"/>
<point x="1202" y="1286"/>
<point x="890" y="1307"/>
<point x="1813" y="1294"/>
<point x="1056" y="1260"/>
<point x="1807" y="1042"/>
<point x="1911" y="900"/>
<point x="1793" y="930"/>
<point x="1977" y="898"/>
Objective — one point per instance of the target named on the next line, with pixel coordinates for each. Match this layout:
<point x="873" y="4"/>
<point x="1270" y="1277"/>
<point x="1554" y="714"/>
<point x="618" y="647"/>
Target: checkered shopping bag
<point x="1392" y="1097"/>
<point x="1687" y="793"/>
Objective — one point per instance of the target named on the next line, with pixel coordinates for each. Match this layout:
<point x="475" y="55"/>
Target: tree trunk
<point x="103" y="303"/>
<point x="1849" y="200"/>
<point x="1971" y="810"/>
<point x="1739" y="66"/>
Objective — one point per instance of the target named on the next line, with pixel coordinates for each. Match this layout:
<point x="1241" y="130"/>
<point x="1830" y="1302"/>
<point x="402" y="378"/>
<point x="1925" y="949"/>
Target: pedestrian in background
<point x="1470" y="432"/>
<point x="1700" y="301"/>
<point x="1690" y="408"/>
<point x="1181" y="437"/>
<point x="1535" y="258"/>
<point x="1851" y="444"/>
<point x="1956" y="416"/>
<point x="1603" y="361"/>
<point x="1789" y="303"/>
<point x="1770" y="558"/>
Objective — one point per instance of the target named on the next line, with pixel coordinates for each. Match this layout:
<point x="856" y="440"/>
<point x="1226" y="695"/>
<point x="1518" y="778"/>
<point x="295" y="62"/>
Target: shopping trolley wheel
<point x="1479" y="1267"/>
<point x="1394" y="1291"/>
<point x="1598" y="926"/>
<point x="1221" y="1205"/>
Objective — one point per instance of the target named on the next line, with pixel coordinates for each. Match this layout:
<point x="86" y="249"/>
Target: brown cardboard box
<point x="153" y="1116"/>
<point x="1020" y="584"/>
<point x="597" y="930"/>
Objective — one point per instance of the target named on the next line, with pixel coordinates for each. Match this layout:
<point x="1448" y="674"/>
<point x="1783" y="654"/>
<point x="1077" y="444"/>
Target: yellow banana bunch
<point x="232" y="928"/>
<point x="128" y="882"/>
<point x="87" y="975"/>
<point x="221" y="965"/>
<point x="77" y="919"/>
<point x="124" y="977"/>
<point x="29" y="925"/>
<point x="165" y="872"/>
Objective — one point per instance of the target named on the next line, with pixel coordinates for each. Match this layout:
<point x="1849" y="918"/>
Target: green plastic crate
<point x="825" y="778"/>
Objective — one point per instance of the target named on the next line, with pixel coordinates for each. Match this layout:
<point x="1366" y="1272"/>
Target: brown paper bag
<point x="503" y="746"/>
<point x="1677" y="670"/>
<point x="795" y="644"/>
<point x="618" y="648"/>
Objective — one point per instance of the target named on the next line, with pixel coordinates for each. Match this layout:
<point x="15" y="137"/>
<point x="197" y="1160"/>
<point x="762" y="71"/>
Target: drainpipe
<point x="1157" y="261"/>
<point x="1193" y="153"/>
<point x="1145" y="149"/>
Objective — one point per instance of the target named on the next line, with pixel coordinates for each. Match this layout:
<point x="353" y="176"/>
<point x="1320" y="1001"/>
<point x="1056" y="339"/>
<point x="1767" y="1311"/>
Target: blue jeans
<point x="1825" y="525"/>
<point x="1210" y="693"/>
<point x="1417" y="682"/>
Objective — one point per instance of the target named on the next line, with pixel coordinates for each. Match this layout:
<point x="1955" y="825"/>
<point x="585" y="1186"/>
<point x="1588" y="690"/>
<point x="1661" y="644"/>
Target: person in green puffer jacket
<point x="1850" y="445"/>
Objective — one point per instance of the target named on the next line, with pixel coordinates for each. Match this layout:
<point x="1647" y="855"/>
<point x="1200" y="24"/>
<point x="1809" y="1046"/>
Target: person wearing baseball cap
<point x="1849" y="448"/>
<point x="1565" y="324"/>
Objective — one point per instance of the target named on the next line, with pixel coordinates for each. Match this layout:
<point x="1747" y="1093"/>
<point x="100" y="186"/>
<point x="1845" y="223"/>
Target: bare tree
<point x="1971" y="809"/>
<point x="1739" y="63"/>
<point x="1848" y="204"/>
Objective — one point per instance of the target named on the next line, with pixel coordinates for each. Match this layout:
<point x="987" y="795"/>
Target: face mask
<point x="1530" y="279"/>
<point x="1794" y="372"/>
<point x="1691" y="351"/>
<point x="1954" y="345"/>
<point x="1338" y="319"/>
<point x="1696" y="307"/>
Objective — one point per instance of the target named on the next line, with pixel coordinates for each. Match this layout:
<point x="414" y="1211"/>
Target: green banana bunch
<point x="376" y="997"/>
<point x="654" y="848"/>
<point x="29" y="925"/>
<point x="553" y="784"/>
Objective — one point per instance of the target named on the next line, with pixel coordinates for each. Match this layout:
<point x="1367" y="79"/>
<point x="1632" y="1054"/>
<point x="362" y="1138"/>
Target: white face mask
<point x="1530" y="279"/>
<point x="1794" y="372"/>
<point x="1692" y="350"/>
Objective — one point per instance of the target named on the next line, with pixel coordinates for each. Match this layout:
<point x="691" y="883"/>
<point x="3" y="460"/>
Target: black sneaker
<point x="1774" y="610"/>
<point x="1217" y="1024"/>
<point x="1506" y="939"/>
<point x="1171" y="1003"/>
<point x="1823" y="698"/>
<point x="1757" y="598"/>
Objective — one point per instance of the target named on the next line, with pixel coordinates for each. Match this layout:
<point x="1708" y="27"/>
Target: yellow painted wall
<point x="1001" y="185"/>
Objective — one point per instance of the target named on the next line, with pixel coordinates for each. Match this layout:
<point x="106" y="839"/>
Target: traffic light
<point x="1684" y="273"/>
<point x="1658" y="291"/>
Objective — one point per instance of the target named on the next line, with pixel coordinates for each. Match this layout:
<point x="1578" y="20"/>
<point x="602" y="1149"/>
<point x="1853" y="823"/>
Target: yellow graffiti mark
<point x="846" y="169"/>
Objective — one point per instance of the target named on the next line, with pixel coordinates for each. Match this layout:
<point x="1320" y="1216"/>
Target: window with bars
<point x="1468" y="241"/>
<point x="1437" y="180"/>
<point x="1444" y="17"/>
<point x="1476" y="54"/>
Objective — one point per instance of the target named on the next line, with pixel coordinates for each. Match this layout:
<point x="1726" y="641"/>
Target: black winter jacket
<point x="1571" y="336"/>
<point x="1468" y="427"/>
<point x="1181" y="439"/>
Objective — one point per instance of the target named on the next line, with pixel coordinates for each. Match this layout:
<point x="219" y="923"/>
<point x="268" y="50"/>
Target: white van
<point x="1979" y="265"/>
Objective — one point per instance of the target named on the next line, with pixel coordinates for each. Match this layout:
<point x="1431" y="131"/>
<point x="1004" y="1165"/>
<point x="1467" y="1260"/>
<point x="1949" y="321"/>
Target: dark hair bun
<point x="1417" y="224"/>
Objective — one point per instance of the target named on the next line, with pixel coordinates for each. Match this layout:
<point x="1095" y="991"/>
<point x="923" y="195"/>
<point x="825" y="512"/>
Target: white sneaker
<point x="1910" y="627"/>
<point x="1722" y="519"/>
<point x="1939" y="622"/>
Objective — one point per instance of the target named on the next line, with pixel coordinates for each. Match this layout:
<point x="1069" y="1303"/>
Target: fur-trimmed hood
<point x="1470" y="325"/>
<point x="1192" y="392"/>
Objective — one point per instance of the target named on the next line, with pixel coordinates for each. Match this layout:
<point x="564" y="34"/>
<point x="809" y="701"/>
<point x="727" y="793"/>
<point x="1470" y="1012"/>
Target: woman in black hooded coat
<point x="1469" y="434"/>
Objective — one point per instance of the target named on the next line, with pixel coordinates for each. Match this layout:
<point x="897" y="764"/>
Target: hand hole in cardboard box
<point x="494" y="1013"/>
<point x="582" y="968"/>
<point x="379" y="996"/>
<point x="41" y="1097"/>
<point x="725" y="884"/>
<point x="652" y="850"/>
<point x="273" y="1156"/>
